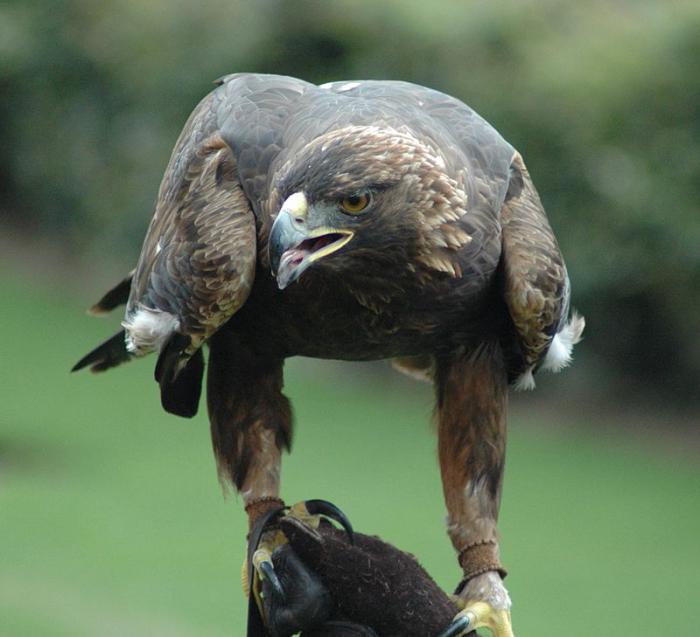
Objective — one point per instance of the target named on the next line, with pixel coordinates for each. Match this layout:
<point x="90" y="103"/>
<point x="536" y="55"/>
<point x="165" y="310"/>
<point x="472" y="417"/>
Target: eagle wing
<point x="197" y="264"/>
<point x="198" y="261"/>
<point x="509" y="226"/>
<point x="536" y="284"/>
<point x="196" y="267"/>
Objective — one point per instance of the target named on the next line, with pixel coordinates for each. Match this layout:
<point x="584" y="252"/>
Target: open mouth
<point x="315" y="248"/>
<point x="322" y="243"/>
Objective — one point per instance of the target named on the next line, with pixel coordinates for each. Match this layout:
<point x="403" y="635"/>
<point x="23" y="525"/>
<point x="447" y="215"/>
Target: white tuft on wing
<point x="559" y="352"/>
<point x="147" y="330"/>
<point x="525" y="382"/>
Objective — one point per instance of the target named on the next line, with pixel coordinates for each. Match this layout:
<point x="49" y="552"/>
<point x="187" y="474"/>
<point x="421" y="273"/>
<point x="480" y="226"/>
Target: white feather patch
<point x="559" y="352"/>
<point x="148" y="329"/>
<point x="525" y="382"/>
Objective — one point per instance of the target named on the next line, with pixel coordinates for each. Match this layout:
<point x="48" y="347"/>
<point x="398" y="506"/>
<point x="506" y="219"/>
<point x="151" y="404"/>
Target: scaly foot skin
<point x="262" y="562"/>
<point x="485" y="603"/>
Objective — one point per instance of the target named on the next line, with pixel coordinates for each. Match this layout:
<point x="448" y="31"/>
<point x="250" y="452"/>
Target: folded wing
<point x="536" y="288"/>
<point x="196" y="268"/>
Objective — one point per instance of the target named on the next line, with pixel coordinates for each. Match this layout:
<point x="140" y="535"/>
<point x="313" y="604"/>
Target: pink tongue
<point x="297" y="256"/>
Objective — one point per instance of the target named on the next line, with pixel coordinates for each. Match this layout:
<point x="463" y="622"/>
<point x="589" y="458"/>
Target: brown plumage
<point x="354" y="221"/>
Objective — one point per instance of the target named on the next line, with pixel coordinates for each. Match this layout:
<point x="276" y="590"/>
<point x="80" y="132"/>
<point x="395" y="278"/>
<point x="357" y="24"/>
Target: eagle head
<point x="359" y="197"/>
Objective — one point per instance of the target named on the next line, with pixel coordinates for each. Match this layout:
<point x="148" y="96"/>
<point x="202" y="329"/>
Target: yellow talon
<point x="245" y="584"/>
<point x="258" y="567"/>
<point x="301" y="513"/>
<point x="483" y="615"/>
<point x="261" y="556"/>
<point x="262" y="566"/>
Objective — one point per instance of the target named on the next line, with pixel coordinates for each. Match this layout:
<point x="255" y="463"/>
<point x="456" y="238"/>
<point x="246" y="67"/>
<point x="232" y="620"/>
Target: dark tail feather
<point x="180" y="388"/>
<point x="117" y="296"/>
<point x="109" y="354"/>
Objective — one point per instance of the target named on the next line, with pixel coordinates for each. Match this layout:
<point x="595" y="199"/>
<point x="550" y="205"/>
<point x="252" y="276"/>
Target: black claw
<point x="269" y="573"/>
<point x="256" y="533"/>
<point x="457" y="627"/>
<point x="323" y="507"/>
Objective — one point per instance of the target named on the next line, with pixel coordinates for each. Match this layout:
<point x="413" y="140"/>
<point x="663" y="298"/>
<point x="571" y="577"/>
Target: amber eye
<point x="355" y="203"/>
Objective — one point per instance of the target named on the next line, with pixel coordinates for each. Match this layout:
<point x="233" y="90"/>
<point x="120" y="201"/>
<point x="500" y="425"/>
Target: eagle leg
<point x="251" y="420"/>
<point x="471" y="409"/>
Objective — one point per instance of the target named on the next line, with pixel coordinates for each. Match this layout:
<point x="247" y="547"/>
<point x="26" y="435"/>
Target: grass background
<point x="112" y="521"/>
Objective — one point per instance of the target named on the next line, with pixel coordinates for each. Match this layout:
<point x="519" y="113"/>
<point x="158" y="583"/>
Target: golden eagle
<point x="357" y="221"/>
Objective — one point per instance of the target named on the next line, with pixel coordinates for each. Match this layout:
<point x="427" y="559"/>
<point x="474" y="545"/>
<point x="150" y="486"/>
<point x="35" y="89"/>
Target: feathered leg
<point x="471" y="406"/>
<point x="251" y="421"/>
<point x="250" y="426"/>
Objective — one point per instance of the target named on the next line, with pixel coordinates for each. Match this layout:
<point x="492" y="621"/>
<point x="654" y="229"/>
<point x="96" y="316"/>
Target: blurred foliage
<point x="602" y="99"/>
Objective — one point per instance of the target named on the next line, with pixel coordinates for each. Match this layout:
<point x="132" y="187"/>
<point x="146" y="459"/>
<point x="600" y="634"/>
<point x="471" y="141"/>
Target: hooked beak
<point x="294" y="247"/>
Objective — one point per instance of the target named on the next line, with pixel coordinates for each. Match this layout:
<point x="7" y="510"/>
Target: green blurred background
<point x="111" y="520"/>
